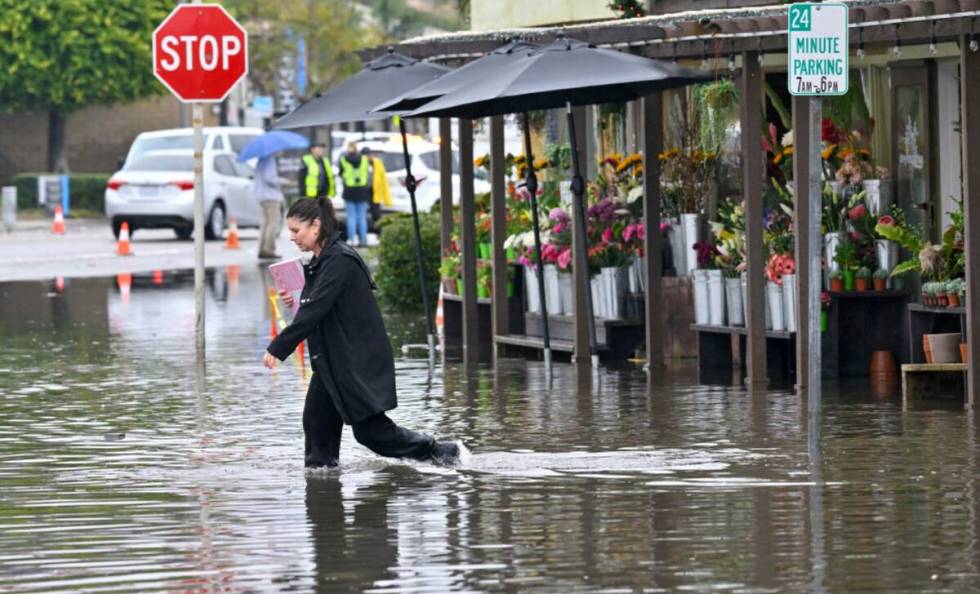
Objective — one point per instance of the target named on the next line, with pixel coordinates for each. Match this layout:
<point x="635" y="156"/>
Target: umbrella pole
<point x="532" y="188"/>
<point x="578" y="191"/>
<point x="410" y="186"/>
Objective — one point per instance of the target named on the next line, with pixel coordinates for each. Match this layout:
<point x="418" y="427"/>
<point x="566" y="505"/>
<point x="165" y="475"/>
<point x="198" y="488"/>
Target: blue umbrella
<point x="271" y="143"/>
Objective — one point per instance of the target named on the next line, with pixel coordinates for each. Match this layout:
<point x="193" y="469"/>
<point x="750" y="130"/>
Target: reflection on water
<point x="122" y="469"/>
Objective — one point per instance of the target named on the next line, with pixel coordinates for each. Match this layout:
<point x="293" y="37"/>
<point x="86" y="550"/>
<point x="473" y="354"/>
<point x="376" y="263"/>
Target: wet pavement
<point x="124" y="468"/>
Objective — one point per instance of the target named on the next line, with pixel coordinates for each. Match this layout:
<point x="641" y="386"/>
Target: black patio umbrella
<point x="462" y="77"/>
<point x="566" y="72"/>
<point x="354" y="100"/>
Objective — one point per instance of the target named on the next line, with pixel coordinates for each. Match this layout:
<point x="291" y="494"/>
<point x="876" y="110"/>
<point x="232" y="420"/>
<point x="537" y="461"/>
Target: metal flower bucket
<point x="733" y="300"/>
<point x="774" y="299"/>
<point x="552" y="292"/>
<point x="789" y="302"/>
<point x="566" y="287"/>
<point x="531" y="290"/>
<point x="701" y="309"/>
<point x="716" y="298"/>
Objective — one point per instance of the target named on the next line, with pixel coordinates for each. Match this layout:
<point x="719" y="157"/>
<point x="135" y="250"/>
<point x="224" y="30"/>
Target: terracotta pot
<point x="860" y="284"/>
<point x="964" y="352"/>
<point x="881" y="284"/>
<point x="953" y="299"/>
<point x="926" y="349"/>
<point x="883" y="365"/>
<point x="942" y="301"/>
<point x="836" y="285"/>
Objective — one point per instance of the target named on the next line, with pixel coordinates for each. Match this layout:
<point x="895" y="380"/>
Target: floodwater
<point x="123" y="468"/>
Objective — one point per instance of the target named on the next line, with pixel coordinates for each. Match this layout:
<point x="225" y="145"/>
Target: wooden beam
<point x="801" y="224"/>
<point x="653" y="142"/>
<point x="445" y="183"/>
<point x="970" y="122"/>
<point x="752" y="174"/>
<point x="467" y="225"/>
<point x="580" y="266"/>
<point x="498" y="229"/>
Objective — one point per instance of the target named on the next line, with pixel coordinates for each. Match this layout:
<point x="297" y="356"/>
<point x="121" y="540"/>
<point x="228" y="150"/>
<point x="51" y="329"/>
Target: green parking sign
<point x="818" y="49"/>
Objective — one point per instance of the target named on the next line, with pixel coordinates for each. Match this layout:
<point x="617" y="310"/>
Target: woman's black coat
<point x="349" y="347"/>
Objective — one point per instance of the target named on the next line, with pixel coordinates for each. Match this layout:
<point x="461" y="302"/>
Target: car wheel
<point x="183" y="232"/>
<point x="216" y="222"/>
<point x="115" y="230"/>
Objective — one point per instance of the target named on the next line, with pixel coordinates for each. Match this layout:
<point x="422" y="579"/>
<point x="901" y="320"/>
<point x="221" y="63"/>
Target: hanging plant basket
<point x="720" y="94"/>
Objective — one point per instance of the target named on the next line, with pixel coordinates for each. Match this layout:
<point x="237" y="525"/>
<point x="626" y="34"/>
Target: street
<point x="88" y="249"/>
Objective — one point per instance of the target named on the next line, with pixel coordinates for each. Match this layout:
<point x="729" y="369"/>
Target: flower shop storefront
<point x="701" y="186"/>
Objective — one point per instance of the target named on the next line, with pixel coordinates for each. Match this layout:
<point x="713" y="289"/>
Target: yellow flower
<point x="777" y="159"/>
<point x="788" y="150"/>
<point x="541" y="163"/>
<point x="828" y="152"/>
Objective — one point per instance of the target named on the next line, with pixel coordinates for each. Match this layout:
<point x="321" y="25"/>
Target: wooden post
<point x="498" y="230"/>
<point x="970" y="134"/>
<point x="752" y="174"/>
<point x="467" y="228"/>
<point x="580" y="266"/>
<point x="446" y="183"/>
<point x="653" y="141"/>
<point x="801" y="224"/>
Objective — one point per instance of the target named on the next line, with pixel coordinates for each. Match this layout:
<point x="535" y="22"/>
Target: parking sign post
<point x="817" y="67"/>
<point x="199" y="52"/>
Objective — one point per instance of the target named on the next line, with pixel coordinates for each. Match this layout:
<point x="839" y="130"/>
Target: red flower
<point x="857" y="212"/>
<point x="825" y="299"/>
<point x="886" y="221"/>
<point x="607" y="234"/>
<point x="855" y="236"/>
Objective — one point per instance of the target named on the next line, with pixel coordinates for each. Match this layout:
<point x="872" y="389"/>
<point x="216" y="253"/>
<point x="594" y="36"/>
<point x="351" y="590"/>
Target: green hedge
<point x="87" y="190"/>
<point x="397" y="276"/>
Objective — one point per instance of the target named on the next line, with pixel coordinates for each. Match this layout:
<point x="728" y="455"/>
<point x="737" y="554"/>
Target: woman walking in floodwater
<point x="353" y="370"/>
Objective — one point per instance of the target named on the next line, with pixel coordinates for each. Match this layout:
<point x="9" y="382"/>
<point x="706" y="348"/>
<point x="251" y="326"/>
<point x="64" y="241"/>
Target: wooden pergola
<point x="744" y="35"/>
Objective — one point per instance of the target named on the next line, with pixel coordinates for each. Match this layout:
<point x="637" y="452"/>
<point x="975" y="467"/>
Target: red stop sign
<point x="200" y="52"/>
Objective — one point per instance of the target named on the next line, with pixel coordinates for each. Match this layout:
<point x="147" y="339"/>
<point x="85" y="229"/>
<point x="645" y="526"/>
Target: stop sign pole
<point x="199" y="52"/>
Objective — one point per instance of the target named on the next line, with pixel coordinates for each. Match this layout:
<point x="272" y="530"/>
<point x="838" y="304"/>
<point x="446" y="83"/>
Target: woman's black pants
<point x="323" y="426"/>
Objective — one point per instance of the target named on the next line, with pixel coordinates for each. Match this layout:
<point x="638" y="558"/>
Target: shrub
<point x="87" y="190"/>
<point x="397" y="277"/>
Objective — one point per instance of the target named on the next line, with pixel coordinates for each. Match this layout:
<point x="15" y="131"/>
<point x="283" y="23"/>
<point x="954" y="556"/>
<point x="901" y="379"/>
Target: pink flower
<point x="855" y="236"/>
<point x="549" y="253"/>
<point x="607" y="235"/>
<point x="886" y="221"/>
<point x="857" y="212"/>
<point x="628" y="232"/>
<point x="664" y="226"/>
<point x="558" y="215"/>
<point x="640" y="230"/>
<point x="558" y="228"/>
<point x="565" y="258"/>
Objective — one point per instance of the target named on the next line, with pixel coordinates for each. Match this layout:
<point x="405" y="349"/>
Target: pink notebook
<point x="288" y="277"/>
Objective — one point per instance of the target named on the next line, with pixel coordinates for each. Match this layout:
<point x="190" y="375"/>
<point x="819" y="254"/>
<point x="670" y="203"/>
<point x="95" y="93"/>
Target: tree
<point x="62" y="55"/>
<point x="331" y="29"/>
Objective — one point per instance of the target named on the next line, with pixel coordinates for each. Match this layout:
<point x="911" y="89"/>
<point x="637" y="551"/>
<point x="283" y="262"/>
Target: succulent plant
<point x="881" y="273"/>
<point x="836" y="274"/>
<point x="863" y="272"/>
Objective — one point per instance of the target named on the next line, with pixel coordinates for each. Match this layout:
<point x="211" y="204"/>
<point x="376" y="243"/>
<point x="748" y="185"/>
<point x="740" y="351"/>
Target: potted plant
<point x="824" y="310"/>
<point x="721" y="93"/>
<point x="484" y="279"/>
<point x="846" y="258"/>
<point x="449" y="271"/>
<point x="862" y="278"/>
<point x="836" y="281"/>
<point x="953" y="292"/>
<point x="939" y="294"/>
<point x="880" y="279"/>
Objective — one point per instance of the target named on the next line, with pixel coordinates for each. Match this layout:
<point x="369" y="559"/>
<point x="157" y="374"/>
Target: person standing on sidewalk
<point x="267" y="190"/>
<point x="380" y="192"/>
<point x="353" y="378"/>
<point x="316" y="175"/>
<point x="355" y="171"/>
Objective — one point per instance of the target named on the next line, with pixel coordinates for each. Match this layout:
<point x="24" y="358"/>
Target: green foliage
<point x="863" y="272"/>
<point x="717" y="105"/>
<point x="61" y="55"/>
<point x="881" y="273"/>
<point x="846" y="256"/>
<point x="397" y="276"/>
<point x="903" y="236"/>
<point x="331" y="29"/>
<point x="87" y="190"/>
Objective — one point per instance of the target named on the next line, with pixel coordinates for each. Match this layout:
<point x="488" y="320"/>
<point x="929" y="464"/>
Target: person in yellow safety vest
<point x="355" y="171"/>
<point x="316" y="174"/>
<point x="380" y="192"/>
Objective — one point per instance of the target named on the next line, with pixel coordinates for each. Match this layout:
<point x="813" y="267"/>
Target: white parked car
<point x="156" y="190"/>
<point x="216" y="138"/>
<point x="424" y="156"/>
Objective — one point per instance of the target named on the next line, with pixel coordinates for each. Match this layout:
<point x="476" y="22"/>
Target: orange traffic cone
<point x="232" y="242"/>
<point x="125" y="282"/>
<point x="122" y="246"/>
<point x="158" y="277"/>
<point x="440" y="319"/>
<point x="58" y="226"/>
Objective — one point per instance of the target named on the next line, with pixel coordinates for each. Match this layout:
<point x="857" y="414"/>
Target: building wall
<point x="95" y="137"/>
<point x="487" y="15"/>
